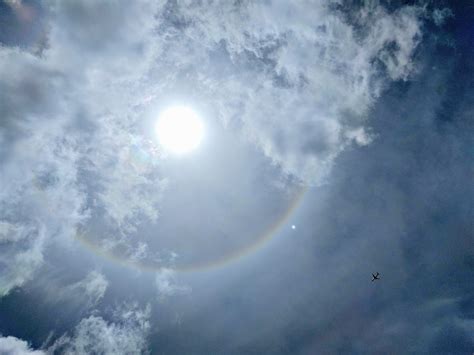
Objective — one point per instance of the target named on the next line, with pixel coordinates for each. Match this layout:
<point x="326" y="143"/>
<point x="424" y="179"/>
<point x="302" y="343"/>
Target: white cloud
<point x="14" y="346"/>
<point x="166" y="285"/>
<point x="21" y="253"/>
<point x="109" y="40"/>
<point x="92" y="288"/>
<point x="53" y="164"/>
<point x="112" y="42"/>
<point x="39" y="197"/>
<point x="130" y="188"/>
<point x="296" y="75"/>
<point x="94" y="335"/>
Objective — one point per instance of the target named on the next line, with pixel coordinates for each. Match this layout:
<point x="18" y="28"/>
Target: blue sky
<point x="352" y="122"/>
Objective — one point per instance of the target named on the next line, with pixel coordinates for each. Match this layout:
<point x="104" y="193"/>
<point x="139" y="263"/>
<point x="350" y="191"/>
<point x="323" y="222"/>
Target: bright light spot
<point x="293" y="227"/>
<point x="179" y="129"/>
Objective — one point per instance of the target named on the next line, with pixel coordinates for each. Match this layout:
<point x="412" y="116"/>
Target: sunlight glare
<point x="179" y="129"/>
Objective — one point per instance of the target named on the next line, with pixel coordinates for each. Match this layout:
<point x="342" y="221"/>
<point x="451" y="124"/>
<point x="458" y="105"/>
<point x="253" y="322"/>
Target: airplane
<point x="375" y="276"/>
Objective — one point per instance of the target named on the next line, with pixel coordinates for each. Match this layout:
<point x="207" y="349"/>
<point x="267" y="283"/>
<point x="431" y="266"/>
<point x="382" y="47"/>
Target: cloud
<point x="165" y="281"/>
<point x="440" y="16"/>
<point x="14" y="346"/>
<point x="299" y="78"/>
<point x="109" y="96"/>
<point x="126" y="335"/>
<point x="39" y="196"/>
<point x="74" y="296"/>
<point x="111" y="40"/>
<point x="401" y="206"/>
<point x="21" y="252"/>
<point x="92" y="288"/>
<point x="67" y="146"/>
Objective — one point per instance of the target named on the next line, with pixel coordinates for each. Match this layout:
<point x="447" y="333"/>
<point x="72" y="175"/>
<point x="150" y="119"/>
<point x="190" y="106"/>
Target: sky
<point x="338" y="141"/>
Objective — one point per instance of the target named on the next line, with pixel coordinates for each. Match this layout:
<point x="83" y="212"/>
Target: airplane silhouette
<point x="375" y="276"/>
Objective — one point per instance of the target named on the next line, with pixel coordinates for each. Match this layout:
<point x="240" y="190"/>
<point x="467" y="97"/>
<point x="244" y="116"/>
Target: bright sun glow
<point x="179" y="129"/>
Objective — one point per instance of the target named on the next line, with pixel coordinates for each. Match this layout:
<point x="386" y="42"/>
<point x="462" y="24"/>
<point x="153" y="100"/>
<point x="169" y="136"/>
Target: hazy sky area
<point x="338" y="141"/>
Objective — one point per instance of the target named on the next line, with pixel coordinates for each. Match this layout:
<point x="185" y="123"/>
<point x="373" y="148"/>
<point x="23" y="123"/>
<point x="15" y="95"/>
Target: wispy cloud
<point x="125" y="335"/>
<point x="167" y="286"/>
<point x="92" y="288"/>
<point x="56" y="168"/>
<point x="300" y="78"/>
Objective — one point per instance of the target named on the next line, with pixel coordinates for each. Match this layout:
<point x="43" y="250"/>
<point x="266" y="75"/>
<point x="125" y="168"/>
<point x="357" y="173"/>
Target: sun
<point x="179" y="129"/>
